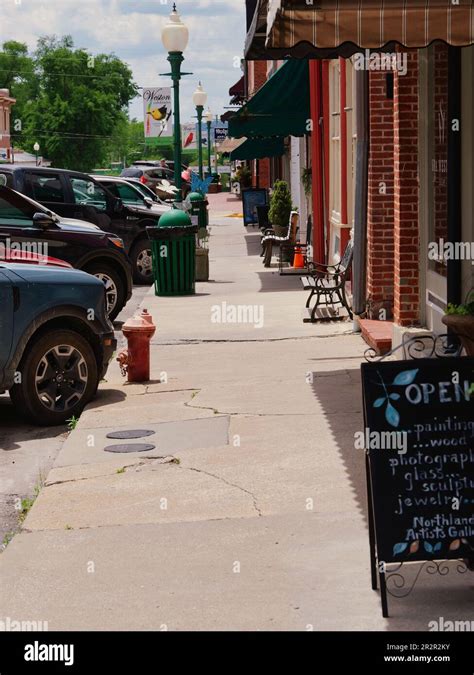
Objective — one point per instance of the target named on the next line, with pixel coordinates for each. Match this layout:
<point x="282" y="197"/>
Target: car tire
<point x="141" y="262"/>
<point x="114" y="285"/>
<point x="38" y="396"/>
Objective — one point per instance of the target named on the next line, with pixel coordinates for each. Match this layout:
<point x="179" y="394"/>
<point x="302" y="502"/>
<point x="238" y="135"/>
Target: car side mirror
<point x="149" y="202"/>
<point x="43" y="220"/>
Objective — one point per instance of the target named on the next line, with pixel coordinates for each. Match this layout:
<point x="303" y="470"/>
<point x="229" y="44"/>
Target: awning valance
<point x="238" y="89"/>
<point x="230" y="144"/>
<point x="330" y="28"/>
<point x="280" y="108"/>
<point x="259" y="148"/>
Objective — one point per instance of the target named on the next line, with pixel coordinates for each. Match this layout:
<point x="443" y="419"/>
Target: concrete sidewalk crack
<point x="223" y="480"/>
<point x="198" y="341"/>
<point x="169" y="459"/>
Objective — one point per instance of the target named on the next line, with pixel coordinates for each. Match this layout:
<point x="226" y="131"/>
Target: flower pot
<point x="463" y="327"/>
<point x="202" y="264"/>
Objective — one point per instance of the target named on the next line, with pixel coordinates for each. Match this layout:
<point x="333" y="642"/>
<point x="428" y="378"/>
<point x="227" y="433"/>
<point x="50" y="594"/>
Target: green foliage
<point x="74" y="104"/>
<point x="244" y="176"/>
<point x="280" y="204"/>
<point x="307" y="180"/>
<point x="466" y="309"/>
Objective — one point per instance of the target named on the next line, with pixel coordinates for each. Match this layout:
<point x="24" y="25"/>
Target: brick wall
<point x="257" y="76"/>
<point x="406" y="188"/>
<point x="380" y="214"/>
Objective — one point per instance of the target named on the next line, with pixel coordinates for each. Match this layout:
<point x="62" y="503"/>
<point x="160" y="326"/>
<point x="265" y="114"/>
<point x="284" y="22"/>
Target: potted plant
<point x="280" y="208"/>
<point x="460" y="319"/>
<point x="244" y="176"/>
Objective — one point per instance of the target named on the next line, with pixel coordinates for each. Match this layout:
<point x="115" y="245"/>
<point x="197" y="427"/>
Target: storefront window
<point x="438" y="111"/>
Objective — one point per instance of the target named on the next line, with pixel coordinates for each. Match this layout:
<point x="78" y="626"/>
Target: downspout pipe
<point x="359" y="269"/>
<point x="454" y="174"/>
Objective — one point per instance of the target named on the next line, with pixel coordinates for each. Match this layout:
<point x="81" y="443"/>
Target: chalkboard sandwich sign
<point x="419" y="431"/>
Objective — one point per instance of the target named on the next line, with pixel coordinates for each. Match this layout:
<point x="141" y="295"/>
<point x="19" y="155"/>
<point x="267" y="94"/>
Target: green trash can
<point x="199" y="213"/>
<point x="173" y="245"/>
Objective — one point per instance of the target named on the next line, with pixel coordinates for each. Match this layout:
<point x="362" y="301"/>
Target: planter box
<point x="202" y="264"/>
<point x="463" y="327"/>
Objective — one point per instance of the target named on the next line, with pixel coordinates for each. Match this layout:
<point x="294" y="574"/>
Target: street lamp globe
<point x="175" y="34"/>
<point x="199" y="96"/>
<point x="208" y="116"/>
<point x="36" y="147"/>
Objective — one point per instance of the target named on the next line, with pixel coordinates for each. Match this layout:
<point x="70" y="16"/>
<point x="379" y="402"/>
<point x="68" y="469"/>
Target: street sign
<point x="220" y="134"/>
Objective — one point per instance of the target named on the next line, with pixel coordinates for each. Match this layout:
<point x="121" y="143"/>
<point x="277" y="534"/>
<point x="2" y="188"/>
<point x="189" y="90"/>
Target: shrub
<point x="280" y="204"/>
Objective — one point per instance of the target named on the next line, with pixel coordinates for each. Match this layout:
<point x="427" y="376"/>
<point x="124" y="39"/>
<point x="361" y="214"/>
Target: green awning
<point x="259" y="148"/>
<point x="280" y="108"/>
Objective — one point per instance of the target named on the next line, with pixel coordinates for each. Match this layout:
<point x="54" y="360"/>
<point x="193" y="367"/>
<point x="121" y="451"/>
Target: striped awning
<point x="329" y="28"/>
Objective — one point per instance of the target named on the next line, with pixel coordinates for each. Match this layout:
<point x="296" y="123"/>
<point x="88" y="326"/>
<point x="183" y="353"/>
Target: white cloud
<point x="132" y="30"/>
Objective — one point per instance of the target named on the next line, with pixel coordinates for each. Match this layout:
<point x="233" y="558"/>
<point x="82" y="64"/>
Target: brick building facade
<point x="6" y="103"/>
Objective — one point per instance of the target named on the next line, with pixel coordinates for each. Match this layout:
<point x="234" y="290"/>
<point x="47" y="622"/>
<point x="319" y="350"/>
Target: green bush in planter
<point x="280" y="205"/>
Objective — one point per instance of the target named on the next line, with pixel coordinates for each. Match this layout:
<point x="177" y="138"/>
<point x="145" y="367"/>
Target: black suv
<point x="29" y="227"/>
<point x="77" y="195"/>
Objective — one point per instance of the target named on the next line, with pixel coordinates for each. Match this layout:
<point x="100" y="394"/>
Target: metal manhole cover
<point x="131" y="433"/>
<point x="130" y="447"/>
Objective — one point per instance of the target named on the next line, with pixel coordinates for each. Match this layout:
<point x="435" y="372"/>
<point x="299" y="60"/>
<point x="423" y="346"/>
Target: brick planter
<point x="463" y="326"/>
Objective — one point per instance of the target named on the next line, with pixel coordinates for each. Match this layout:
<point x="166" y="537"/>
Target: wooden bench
<point x="270" y="239"/>
<point x="328" y="284"/>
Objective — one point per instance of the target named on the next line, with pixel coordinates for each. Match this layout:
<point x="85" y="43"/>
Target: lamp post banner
<point x="157" y="111"/>
<point x="189" y="136"/>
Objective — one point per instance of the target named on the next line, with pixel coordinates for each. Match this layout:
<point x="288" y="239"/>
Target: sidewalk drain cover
<point x="131" y="433"/>
<point x="130" y="447"/>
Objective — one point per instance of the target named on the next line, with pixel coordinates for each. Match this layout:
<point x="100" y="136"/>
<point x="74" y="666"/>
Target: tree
<point x="80" y="109"/>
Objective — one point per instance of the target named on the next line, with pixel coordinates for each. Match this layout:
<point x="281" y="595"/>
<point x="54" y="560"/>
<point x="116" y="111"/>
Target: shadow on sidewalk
<point x="252" y="241"/>
<point x="14" y="429"/>
<point x="339" y="394"/>
<point x="272" y="282"/>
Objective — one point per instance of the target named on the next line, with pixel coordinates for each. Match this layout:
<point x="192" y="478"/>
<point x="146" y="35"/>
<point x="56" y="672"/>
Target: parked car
<point x="148" y="175"/>
<point x="76" y="195"/>
<point x="166" y="163"/>
<point x="52" y="355"/>
<point x="156" y="178"/>
<point x="133" y="194"/>
<point x="29" y="226"/>
<point x="148" y="191"/>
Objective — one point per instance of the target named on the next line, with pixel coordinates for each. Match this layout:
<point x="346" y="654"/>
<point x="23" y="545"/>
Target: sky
<point x="132" y="30"/>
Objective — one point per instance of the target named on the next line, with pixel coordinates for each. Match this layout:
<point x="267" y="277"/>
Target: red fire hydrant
<point x="135" y="361"/>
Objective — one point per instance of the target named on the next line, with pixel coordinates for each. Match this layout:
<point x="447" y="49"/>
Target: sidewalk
<point x="250" y="512"/>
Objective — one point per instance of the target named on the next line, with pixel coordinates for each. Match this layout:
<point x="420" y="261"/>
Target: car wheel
<point x="114" y="287"/>
<point x="58" y="377"/>
<point x="142" y="262"/>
